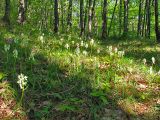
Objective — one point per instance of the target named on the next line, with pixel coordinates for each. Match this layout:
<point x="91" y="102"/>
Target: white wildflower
<point x="91" y="42"/>
<point x="77" y="44"/>
<point x="15" y="53"/>
<point x="6" y="47"/>
<point x="61" y="39"/>
<point x="86" y="45"/>
<point x="116" y="50"/>
<point x="77" y="51"/>
<point x="41" y="38"/>
<point x="151" y="70"/>
<point x="85" y="53"/>
<point x="31" y="57"/>
<point x="22" y="81"/>
<point x="158" y="73"/>
<point x="98" y="51"/>
<point x="144" y="61"/>
<point x="73" y="42"/>
<point x="121" y="53"/>
<point x="82" y="43"/>
<point x="110" y="48"/>
<point x="153" y="60"/>
<point x="67" y="46"/>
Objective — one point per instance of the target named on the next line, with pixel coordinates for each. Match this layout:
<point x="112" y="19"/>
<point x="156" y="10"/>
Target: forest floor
<point x="71" y="78"/>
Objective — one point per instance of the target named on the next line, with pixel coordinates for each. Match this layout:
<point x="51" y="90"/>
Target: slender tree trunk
<point x="22" y="11"/>
<point x="85" y="18"/>
<point x="94" y="20"/>
<point x="56" y="16"/>
<point x="90" y="18"/>
<point x="120" y="17"/>
<point x="6" y="17"/>
<point x="81" y="16"/>
<point x="93" y="9"/>
<point x="62" y="15"/>
<point x="112" y="17"/>
<point x="144" y="20"/>
<point x="104" y="20"/>
<point x="148" y="18"/>
<point x="69" y="18"/>
<point x="139" y="18"/>
<point x="126" y="9"/>
<point x="156" y="22"/>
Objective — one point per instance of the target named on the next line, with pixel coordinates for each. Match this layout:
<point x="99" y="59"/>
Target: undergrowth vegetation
<point x="68" y="77"/>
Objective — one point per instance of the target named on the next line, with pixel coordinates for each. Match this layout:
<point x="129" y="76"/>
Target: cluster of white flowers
<point x="85" y="53"/>
<point x="116" y="50"/>
<point x="158" y="73"/>
<point x="86" y="45"/>
<point x="144" y="61"/>
<point x="15" y="53"/>
<point x="82" y="43"/>
<point x="153" y="60"/>
<point x="121" y="53"/>
<point x="67" y="46"/>
<point x="98" y="50"/>
<point x="41" y="38"/>
<point x="73" y="42"/>
<point x="91" y="42"/>
<point x="31" y="57"/>
<point x="22" y="81"/>
<point x="77" y="50"/>
<point x="6" y="47"/>
<point x="112" y="51"/>
<point x="151" y="70"/>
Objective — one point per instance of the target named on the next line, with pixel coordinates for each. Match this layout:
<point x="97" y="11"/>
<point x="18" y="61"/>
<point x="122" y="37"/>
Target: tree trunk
<point x="85" y="18"/>
<point x="120" y="17"/>
<point x="144" y="20"/>
<point x="81" y="16"/>
<point x="69" y="18"/>
<point x="90" y="18"/>
<point x="104" y="20"/>
<point x="22" y="11"/>
<point x="126" y="2"/>
<point x="62" y="15"/>
<point x="112" y="17"/>
<point x="6" y="17"/>
<point x="56" y="17"/>
<point x="139" y="18"/>
<point x="148" y="18"/>
<point x="156" y="22"/>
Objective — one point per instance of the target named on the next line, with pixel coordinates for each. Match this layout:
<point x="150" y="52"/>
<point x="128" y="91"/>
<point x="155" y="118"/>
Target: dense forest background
<point x="96" y="18"/>
<point x="80" y="59"/>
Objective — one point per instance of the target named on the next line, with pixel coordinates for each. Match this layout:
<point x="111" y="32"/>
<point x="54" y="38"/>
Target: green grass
<point x="65" y="85"/>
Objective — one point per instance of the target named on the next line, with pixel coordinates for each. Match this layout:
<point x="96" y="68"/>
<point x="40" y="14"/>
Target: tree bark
<point x="156" y="22"/>
<point x="56" y="16"/>
<point x="69" y="18"/>
<point x="81" y="16"/>
<point x="90" y="18"/>
<point x="120" y="17"/>
<point x="85" y="17"/>
<point x="22" y="11"/>
<point x="139" y="28"/>
<point x="126" y="9"/>
<point x="6" y="17"/>
<point x="112" y="17"/>
<point x="104" y="20"/>
<point x="148" y="18"/>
